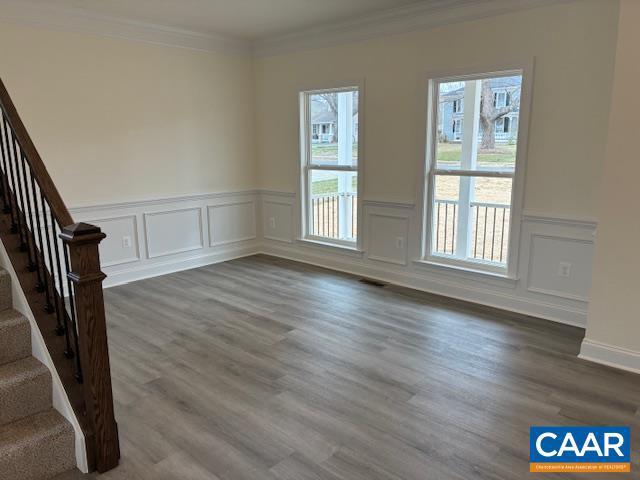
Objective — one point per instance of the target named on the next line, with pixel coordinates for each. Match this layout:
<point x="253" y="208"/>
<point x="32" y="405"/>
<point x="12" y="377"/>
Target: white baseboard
<point x="449" y="288"/>
<point x="149" y="270"/>
<point x="610" y="355"/>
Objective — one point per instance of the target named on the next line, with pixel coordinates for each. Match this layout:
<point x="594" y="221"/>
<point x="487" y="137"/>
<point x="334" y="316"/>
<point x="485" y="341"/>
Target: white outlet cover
<point x="564" y="269"/>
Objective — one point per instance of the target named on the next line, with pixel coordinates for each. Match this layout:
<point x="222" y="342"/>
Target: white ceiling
<point x="242" y="19"/>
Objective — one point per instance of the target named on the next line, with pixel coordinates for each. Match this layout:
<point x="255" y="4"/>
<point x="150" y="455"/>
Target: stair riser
<point x="25" y="398"/>
<point x="44" y="457"/>
<point x="15" y="342"/>
<point x="6" y="301"/>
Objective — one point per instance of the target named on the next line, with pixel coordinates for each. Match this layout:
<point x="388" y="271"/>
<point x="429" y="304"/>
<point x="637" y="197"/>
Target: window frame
<point x="305" y="166"/>
<point x="426" y="177"/>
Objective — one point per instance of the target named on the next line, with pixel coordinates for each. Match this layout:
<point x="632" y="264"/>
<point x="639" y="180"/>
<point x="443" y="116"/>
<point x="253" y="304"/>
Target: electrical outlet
<point x="272" y="222"/>
<point x="126" y="242"/>
<point x="564" y="269"/>
<point x="399" y="243"/>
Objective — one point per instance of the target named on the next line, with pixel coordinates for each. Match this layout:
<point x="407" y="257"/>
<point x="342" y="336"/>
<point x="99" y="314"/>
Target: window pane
<point x="471" y="217"/>
<point x="445" y="214"/>
<point x="333" y="211"/>
<point x="471" y="133"/>
<point x="334" y="128"/>
<point x="490" y="214"/>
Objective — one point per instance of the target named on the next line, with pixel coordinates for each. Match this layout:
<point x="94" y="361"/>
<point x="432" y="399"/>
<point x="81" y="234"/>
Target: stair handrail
<point x="40" y="228"/>
<point x="57" y="205"/>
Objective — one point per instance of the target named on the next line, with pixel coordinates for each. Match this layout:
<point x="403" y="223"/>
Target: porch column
<point x="345" y="148"/>
<point x="468" y="161"/>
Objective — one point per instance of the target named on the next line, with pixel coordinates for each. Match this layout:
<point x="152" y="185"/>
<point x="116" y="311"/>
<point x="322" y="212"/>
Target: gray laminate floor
<point x="263" y="368"/>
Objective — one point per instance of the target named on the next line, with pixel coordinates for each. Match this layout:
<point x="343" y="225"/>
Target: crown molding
<point x="418" y="16"/>
<point x="81" y="21"/>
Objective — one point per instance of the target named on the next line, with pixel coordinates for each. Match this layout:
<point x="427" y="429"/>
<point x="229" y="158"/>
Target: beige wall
<point x="573" y="45"/>
<point x="118" y="120"/>
<point x="613" y="310"/>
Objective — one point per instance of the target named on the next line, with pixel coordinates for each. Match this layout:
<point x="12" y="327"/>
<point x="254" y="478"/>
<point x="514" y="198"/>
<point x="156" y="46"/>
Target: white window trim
<point x="303" y="162"/>
<point x="429" y="135"/>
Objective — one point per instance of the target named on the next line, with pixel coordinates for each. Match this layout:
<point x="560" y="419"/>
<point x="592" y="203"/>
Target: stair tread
<point x="21" y="371"/>
<point x="11" y="317"/>
<point x="14" y="436"/>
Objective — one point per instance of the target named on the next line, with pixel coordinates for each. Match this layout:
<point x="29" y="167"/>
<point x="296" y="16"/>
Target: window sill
<point x="349" y="249"/>
<point x="501" y="278"/>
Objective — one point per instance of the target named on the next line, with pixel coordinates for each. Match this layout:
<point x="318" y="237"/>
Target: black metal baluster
<point x="29" y="220"/>
<point x="43" y="285"/>
<point x="475" y="243"/>
<point x="6" y="194"/>
<point x="68" y="352"/>
<point x="50" y="307"/>
<point x="72" y="309"/>
<point x="493" y="237"/>
<point x="22" y="217"/>
<point x="20" y="203"/>
<point x="15" y="216"/>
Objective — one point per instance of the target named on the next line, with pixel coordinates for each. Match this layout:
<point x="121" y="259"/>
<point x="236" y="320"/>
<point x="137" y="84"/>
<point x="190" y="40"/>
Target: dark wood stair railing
<point x="58" y="267"/>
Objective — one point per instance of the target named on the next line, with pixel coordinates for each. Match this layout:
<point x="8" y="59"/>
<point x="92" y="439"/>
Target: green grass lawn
<point x="448" y="154"/>
<point x="329" y="151"/>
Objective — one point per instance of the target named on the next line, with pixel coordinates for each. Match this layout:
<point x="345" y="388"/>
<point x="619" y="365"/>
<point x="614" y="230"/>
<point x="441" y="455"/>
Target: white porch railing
<point x="489" y="229"/>
<point x="335" y="215"/>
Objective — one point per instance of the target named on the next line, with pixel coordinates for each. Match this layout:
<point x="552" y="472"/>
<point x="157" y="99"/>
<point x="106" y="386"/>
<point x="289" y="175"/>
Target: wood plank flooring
<point x="262" y="368"/>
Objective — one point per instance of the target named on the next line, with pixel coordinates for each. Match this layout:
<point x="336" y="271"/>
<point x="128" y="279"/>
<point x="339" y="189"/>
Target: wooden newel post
<point x="85" y="274"/>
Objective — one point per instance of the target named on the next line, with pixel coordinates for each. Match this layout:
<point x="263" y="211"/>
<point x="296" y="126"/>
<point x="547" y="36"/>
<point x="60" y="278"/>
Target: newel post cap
<point x="82" y="232"/>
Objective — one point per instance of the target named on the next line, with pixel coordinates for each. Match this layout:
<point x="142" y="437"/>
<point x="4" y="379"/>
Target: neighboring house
<point x="452" y="111"/>
<point x="324" y="126"/>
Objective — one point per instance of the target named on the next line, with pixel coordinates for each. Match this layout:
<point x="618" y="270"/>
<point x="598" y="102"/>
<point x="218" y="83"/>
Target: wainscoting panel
<point x="232" y="222"/>
<point x="562" y="266"/>
<point x="169" y="235"/>
<point x="387" y="239"/>
<point x="175" y="234"/>
<point x="176" y="231"/>
<point x="121" y="245"/>
<point x="277" y="216"/>
<point x="547" y="243"/>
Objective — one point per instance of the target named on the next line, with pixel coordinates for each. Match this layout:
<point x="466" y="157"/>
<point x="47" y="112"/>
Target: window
<point x="329" y="172"/>
<point x="500" y="99"/>
<point x="457" y="106"/>
<point x="470" y="181"/>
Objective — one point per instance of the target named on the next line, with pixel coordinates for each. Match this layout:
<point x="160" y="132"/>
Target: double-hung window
<point x="470" y="181"/>
<point x="329" y="165"/>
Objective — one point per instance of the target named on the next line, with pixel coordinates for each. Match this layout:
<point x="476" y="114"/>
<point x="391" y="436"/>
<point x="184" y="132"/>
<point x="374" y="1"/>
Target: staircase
<point x="56" y="263"/>
<point x="36" y="442"/>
